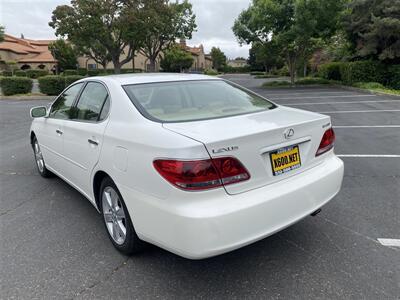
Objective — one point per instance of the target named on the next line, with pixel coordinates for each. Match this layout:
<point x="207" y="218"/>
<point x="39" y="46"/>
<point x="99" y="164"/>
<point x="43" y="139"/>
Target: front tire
<point x="40" y="164"/>
<point x="117" y="220"/>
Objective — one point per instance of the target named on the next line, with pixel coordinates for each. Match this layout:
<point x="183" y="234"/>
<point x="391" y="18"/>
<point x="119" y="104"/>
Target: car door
<point x="50" y="136"/>
<point x="83" y="134"/>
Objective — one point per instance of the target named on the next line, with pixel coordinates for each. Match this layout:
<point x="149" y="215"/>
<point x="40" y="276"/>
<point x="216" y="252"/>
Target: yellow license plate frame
<point x="285" y="160"/>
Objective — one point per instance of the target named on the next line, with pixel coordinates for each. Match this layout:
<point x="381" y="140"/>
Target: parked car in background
<point x="194" y="164"/>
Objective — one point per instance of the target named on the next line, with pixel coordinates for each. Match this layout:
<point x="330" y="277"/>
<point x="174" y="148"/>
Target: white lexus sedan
<point x="194" y="164"/>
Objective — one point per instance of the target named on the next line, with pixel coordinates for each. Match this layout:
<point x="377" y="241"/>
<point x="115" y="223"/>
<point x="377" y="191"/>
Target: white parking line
<point x="341" y="102"/>
<point x="370" y="155"/>
<point x="390" y="242"/>
<point x="358" y="111"/>
<point x="366" y="126"/>
<point x="319" y="97"/>
<point x="311" y="92"/>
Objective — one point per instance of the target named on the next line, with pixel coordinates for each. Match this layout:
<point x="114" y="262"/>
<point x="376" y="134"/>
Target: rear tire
<point x="40" y="164"/>
<point x="117" y="220"/>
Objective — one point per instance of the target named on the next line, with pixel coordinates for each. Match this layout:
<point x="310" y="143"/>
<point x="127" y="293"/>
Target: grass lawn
<point x="369" y="86"/>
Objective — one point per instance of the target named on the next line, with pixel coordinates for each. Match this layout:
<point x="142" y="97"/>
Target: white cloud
<point x="214" y="20"/>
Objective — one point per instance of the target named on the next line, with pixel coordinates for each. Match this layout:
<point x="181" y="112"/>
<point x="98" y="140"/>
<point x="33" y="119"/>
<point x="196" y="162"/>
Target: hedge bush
<point x="20" y="73"/>
<point x="312" y="80"/>
<point x="362" y="71"/>
<point x="257" y="73"/>
<point x="16" y="85"/>
<point x="369" y="85"/>
<point x="51" y="84"/>
<point x="229" y="69"/>
<point x="72" y="78"/>
<point x="282" y="83"/>
<point x="352" y="72"/>
<point x="82" y="71"/>
<point x="6" y="73"/>
<point x="36" y="73"/>
<point x="393" y="77"/>
<point x="266" y="76"/>
<point x="284" y="71"/>
<point x="211" y="72"/>
<point x="70" y="72"/>
<point x="331" y="71"/>
<point x="94" y="72"/>
<point x="123" y="71"/>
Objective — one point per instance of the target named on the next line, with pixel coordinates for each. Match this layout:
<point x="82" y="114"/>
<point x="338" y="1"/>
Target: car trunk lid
<point x="252" y="138"/>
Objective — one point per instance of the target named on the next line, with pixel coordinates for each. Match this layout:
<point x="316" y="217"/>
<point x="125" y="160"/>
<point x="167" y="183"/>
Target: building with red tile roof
<point x="35" y="54"/>
<point x="201" y="60"/>
<point x="27" y="53"/>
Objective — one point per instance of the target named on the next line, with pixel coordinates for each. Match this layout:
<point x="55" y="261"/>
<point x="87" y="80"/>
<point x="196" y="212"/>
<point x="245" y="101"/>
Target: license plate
<point x="285" y="159"/>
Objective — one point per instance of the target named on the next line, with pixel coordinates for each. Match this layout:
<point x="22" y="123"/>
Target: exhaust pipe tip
<point x="316" y="212"/>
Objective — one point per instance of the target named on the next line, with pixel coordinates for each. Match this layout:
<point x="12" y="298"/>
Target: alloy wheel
<point x="38" y="156"/>
<point x="114" y="215"/>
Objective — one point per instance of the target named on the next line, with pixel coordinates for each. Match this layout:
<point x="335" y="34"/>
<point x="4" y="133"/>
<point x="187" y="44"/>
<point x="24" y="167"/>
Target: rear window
<point x="193" y="100"/>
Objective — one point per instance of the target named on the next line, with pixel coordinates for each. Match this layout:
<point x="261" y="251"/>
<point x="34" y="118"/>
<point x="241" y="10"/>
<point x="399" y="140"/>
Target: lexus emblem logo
<point x="288" y="133"/>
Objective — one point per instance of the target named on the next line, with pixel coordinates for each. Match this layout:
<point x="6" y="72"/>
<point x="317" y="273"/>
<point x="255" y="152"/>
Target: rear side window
<point x="61" y="108"/>
<point x="105" y="110"/>
<point x="92" y="103"/>
<point x="193" y="100"/>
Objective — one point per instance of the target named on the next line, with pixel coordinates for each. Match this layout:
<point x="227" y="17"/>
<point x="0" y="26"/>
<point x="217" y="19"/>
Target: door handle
<point x="59" y="131"/>
<point x="93" y="142"/>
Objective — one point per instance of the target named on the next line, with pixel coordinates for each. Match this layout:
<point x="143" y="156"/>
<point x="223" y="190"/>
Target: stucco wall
<point x="141" y="63"/>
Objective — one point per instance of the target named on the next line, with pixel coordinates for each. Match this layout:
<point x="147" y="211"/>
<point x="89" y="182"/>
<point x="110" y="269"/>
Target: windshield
<point x="193" y="100"/>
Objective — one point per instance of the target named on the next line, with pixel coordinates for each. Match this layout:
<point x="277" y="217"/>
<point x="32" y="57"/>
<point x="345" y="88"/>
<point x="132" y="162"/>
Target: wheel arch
<point x="32" y="136"/>
<point x="97" y="179"/>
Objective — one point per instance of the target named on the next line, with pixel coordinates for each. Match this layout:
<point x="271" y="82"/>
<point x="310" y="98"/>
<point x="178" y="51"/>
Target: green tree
<point x="97" y="52"/>
<point x="108" y="27"/>
<point x="219" y="58"/>
<point x="64" y="53"/>
<point x="293" y="25"/>
<point x="1" y="33"/>
<point x="338" y="47"/>
<point x="12" y="66"/>
<point x="253" y="62"/>
<point x="373" y="28"/>
<point x="268" y="55"/>
<point x="164" y="22"/>
<point x="176" y="60"/>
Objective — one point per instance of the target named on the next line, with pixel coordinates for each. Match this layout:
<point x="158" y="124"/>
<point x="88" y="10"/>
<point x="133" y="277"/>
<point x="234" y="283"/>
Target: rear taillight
<point x="201" y="174"/>
<point x="327" y="142"/>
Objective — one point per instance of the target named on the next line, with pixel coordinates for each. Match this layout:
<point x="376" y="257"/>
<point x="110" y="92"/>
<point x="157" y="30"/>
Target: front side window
<point x="193" y="100"/>
<point x="61" y="108"/>
<point x="92" y="102"/>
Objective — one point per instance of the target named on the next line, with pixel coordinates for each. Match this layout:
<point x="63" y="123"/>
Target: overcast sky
<point x="214" y="20"/>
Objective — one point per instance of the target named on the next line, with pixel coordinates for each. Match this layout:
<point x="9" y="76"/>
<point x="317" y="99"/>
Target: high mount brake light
<point x="327" y="142"/>
<point x="201" y="174"/>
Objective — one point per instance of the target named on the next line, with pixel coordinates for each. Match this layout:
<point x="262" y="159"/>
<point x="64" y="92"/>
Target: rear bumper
<point x="221" y="222"/>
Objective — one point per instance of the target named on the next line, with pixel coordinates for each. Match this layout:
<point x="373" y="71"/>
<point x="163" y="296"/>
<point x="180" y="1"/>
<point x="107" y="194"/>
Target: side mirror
<point x="38" y="112"/>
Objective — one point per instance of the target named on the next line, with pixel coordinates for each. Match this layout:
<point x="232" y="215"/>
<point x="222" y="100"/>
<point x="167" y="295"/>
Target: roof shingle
<point x="33" y="51"/>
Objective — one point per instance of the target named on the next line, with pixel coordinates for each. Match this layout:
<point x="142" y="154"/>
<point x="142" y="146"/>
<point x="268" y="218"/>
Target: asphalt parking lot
<point x="53" y="243"/>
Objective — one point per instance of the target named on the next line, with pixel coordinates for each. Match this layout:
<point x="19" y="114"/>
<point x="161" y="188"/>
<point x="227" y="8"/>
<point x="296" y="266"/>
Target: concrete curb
<point x="356" y="89"/>
<point x="345" y="87"/>
<point x="24" y="98"/>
